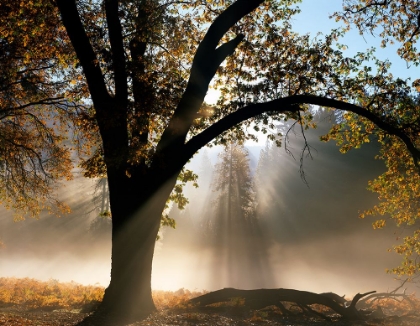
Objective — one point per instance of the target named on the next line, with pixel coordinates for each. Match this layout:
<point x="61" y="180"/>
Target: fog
<point x="305" y="234"/>
<point x="60" y="248"/>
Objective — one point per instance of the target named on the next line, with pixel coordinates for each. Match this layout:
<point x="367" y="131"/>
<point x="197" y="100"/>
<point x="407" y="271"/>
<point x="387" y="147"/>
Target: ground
<point x="190" y="318"/>
<point x="31" y="302"/>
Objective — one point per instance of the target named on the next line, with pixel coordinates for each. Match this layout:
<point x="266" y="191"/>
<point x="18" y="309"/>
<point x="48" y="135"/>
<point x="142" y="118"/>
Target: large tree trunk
<point x="136" y="221"/>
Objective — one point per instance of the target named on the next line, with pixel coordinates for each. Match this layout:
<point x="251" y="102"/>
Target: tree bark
<point x="136" y="221"/>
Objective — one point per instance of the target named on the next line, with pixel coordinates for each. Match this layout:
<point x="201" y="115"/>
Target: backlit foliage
<point x="35" y="112"/>
<point x="160" y="39"/>
<point x="396" y="21"/>
<point x="261" y="69"/>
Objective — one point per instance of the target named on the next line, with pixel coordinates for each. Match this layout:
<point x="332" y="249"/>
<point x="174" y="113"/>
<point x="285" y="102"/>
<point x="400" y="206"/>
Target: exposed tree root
<point x="261" y="298"/>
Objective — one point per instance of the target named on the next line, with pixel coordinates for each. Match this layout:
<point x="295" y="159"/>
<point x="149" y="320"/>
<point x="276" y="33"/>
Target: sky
<point x="314" y="18"/>
<point x="66" y="249"/>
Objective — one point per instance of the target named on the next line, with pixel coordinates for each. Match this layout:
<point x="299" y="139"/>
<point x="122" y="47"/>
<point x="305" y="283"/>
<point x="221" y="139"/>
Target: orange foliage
<point x="37" y="294"/>
<point x="39" y="111"/>
<point x="177" y="299"/>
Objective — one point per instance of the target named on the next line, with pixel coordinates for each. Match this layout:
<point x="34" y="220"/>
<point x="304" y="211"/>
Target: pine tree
<point x="232" y="226"/>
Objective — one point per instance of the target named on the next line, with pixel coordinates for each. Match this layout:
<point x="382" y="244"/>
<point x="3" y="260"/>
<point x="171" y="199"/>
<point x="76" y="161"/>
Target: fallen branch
<point x="261" y="298"/>
<point x="357" y="297"/>
<point x="370" y="299"/>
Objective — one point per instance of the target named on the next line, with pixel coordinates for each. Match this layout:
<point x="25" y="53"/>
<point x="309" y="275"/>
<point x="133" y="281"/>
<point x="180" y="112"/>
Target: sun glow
<point x="212" y="96"/>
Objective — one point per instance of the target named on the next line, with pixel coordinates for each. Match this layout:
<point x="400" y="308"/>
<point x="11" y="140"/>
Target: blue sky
<point x="314" y="19"/>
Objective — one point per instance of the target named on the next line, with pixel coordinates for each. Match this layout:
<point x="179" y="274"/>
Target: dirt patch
<point x="40" y="318"/>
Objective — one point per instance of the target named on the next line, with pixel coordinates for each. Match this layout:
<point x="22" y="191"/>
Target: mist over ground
<point x="309" y="234"/>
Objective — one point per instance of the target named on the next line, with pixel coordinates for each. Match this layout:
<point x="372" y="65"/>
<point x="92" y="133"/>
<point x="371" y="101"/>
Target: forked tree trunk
<point x="136" y="221"/>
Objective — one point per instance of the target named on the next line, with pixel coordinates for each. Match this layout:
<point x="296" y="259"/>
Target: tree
<point x="235" y="196"/>
<point x="231" y="225"/>
<point x="147" y="66"/>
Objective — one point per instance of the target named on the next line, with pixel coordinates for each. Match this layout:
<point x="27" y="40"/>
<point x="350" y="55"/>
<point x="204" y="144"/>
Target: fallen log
<point x="261" y="298"/>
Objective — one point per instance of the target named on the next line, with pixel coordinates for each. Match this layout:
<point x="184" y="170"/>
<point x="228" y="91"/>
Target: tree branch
<point x="84" y="51"/>
<point x="372" y="4"/>
<point x="45" y="101"/>
<point x="222" y="52"/>
<point x="357" y="297"/>
<point x="117" y="47"/>
<point x="260" y="298"/>
<point x="225" y="21"/>
<point x="288" y="104"/>
<point x="282" y="105"/>
<point x="206" y="61"/>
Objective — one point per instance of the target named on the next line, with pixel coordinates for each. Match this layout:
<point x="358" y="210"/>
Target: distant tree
<point x="101" y="197"/>
<point x="206" y="170"/>
<point x="327" y="177"/>
<point x="232" y="227"/>
<point x="235" y="197"/>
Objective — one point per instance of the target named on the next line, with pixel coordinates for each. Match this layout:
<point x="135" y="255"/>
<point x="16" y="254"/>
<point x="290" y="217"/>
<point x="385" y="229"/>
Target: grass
<point x="34" y="294"/>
